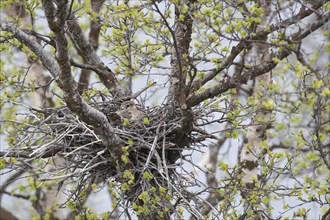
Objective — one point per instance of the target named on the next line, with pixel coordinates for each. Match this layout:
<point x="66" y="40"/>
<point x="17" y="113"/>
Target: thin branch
<point x="136" y="94"/>
<point x="49" y="153"/>
<point x="10" y="180"/>
<point x="48" y="62"/>
<point x="214" y="197"/>
<point x="256" y="70"/>
<point x="86" y="67"/>
<point x="304" y="12"/>
<point x="175" y="44"/>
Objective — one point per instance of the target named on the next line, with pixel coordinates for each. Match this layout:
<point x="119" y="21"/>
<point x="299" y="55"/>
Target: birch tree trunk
<point x="255" y="134"/>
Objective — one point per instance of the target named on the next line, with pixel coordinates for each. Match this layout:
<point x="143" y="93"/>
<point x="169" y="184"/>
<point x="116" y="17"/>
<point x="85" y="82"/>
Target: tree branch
<point x="256" y="70"/>
<point x="10" y="180"/>
<point x="89" y="55"/>
<point x="95" y="27"/>
<point x="4" y="214"/>
<point x="214" y="197"/>
<point x="181" y="40"/>
<point x="47" y="61"/>
<point x="64" y="79"/>
<point x="72" y="97"/>
<point x="244" y="43"/>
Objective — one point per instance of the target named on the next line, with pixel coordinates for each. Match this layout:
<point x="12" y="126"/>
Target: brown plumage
<point x="129" y="110"/>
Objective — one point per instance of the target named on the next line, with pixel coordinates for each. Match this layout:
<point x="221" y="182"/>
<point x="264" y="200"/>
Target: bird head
<point x="128" y="105"/>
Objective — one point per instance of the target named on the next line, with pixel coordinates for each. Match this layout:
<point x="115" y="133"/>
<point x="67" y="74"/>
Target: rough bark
<point x="93" y="37"/>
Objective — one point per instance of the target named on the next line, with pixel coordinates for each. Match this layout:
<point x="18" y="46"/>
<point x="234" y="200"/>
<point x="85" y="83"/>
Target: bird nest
<point x="147" y="149"/>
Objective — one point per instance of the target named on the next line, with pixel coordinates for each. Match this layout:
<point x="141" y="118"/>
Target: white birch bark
<point x="251" y="149"/>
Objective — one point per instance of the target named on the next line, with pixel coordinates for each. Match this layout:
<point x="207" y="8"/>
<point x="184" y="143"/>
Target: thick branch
<point x="88" y="114"/>
<point x="72" y="97"/>
<point x="181" y="41"/>
<point x="4" y="214"/>
<point x="256" y="70"/>
<point x="89" y="55"/>
<point x="47" y="61"/>
<point x="94" y="41"/>
<point x="303" y="13"/>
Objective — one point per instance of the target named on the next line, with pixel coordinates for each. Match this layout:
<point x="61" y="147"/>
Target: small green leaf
<point x="143" y="196"/>
<point x="317" y="84"/>
<point x="146" y="121"/>
<point x="325" y="92"/>
<point x="124" y="187"/>
<point x="93" y="186"/>
<point x="223" y="166"/>
<point x="162" y="190"/>
<point x="147" y="175"/>
<point x="124" y="159"/>
<point x="126" y="122"/>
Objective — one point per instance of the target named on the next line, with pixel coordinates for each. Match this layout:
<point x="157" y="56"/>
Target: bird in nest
<point x="128" y="110"/>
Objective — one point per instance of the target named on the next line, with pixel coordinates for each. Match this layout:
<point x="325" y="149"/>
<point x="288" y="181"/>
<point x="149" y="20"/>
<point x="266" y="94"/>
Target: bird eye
<point x="124" y="106"/>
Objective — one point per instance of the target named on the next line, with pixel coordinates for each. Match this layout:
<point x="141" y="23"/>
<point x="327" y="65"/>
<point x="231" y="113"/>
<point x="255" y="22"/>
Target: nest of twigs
<point x="150" y="147"/>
